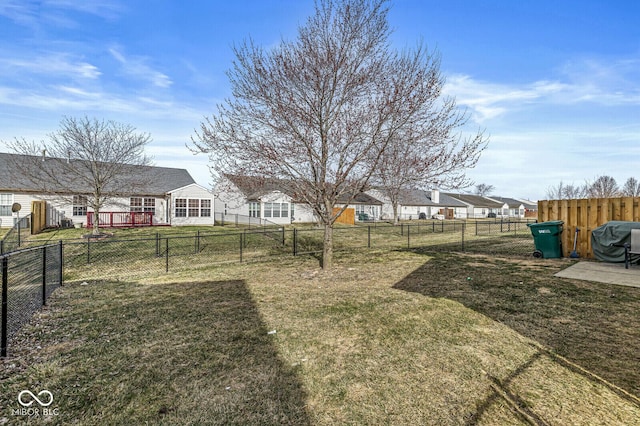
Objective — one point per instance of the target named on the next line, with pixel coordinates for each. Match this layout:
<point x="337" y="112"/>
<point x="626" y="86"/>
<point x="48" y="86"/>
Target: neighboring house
<point x="511" y="207"/>
<point x="269" y="200"/>
<point x="530" y="208"/>
<point x="262" y="199"/>
<point x="478" y="206"/>
<point x="417" y="203"/>
<point x="366" y="207"/>
<point x="168" y="196"/>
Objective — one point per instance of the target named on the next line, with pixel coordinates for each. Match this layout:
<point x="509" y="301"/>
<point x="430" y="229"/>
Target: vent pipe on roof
<point x="435" y="196"/>
<point x="44" y="153"/>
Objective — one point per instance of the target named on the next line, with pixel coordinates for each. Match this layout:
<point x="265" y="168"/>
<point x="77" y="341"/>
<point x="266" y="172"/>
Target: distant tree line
<point x="601" y="187"/>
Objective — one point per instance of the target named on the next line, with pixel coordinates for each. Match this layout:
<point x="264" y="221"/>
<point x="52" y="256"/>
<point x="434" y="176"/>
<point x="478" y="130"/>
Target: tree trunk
<point x="327" y="247"/>
<point x="96" y="221"/>
<point x="396" y="215"/>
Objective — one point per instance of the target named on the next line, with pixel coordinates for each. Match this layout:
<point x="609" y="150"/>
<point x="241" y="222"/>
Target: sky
<point x="554" y="84"/>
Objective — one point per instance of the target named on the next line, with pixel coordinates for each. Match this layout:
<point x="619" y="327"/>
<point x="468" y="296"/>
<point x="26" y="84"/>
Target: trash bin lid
<point x="549" y="223"/>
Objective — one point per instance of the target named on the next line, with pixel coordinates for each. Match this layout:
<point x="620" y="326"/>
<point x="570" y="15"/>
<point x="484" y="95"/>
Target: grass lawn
<point x="384" y="338"/>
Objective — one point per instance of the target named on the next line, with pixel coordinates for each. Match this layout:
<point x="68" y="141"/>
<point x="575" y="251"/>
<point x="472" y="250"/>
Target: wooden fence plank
<point x="587" y="215"/>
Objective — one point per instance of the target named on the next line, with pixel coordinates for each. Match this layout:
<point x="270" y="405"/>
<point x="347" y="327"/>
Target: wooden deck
<point x="121" y="219"/>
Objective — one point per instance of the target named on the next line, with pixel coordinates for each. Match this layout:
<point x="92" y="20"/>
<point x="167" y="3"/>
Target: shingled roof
<point x="420" y="197"/>
<point x="157" y="180"/>
<point x="476" y="200"/>
<point x="254" y="187"/>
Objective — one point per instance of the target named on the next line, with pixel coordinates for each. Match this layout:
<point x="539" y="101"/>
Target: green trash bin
<point x="546" y="236"/>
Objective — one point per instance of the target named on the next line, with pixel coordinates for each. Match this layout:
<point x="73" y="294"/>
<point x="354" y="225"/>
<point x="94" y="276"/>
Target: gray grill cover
<point x="604" y="237"/>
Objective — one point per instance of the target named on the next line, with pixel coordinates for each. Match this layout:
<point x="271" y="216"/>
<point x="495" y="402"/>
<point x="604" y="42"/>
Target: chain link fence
<point x="93" y="259"/>
<point x="16" y="236"/>
<point x="29" y="276"/>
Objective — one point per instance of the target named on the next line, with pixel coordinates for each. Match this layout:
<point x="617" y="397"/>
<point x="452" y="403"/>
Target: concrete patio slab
<point x="609" y="273"/>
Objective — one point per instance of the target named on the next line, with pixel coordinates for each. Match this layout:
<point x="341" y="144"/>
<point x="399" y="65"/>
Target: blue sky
<point x="555" y="84"/>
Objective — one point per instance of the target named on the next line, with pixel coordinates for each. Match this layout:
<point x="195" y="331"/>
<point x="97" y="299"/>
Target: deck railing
<point x="121" y="219"/>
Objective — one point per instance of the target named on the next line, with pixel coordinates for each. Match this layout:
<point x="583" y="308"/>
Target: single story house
<point x="156" y="196"/>
<point x="478" y="206"/>
<point x="418" y="203"/>
<point x="530" y="208"/>
<point x="511" y="207"/>
<point x="257" y="200"/>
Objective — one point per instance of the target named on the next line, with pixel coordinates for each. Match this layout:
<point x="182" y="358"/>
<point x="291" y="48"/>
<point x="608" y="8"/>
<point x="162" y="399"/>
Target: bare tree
<point x="484" y="189"/>
<point x="566" y="192"/>
<point x="86" y="157"/>
<point x="320" y="111"/>
<point x="573" y="192"/>
<point x="428" y="151"/>
<point x="603" y="187"/>
<point x="556" y="192"/>
<point x="631" y="188"/>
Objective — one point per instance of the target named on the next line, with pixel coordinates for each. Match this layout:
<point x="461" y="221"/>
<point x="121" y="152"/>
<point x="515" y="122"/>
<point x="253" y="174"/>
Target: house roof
<point x="530" y="205"/>
<point x="254" y="187"/>
<point x="156" y="180"/>
<point x="476" y="200"/>
<point x="511" y="202"/>
<point x="361" y="198"/>
<point x="419" y="197"/>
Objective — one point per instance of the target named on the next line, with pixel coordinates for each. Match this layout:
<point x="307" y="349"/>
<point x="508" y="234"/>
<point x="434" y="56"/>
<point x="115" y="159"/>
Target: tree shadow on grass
<point x="593" y="325"/>
<point x="193" y="353"/>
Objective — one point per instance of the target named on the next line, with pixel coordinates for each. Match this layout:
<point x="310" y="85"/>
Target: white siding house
<point x="417" y="204"/>
<point x="168" y="196"/>
<point x="251" y="200"/>
<point x="248" y="199"/>
<point x="190" y="205"/>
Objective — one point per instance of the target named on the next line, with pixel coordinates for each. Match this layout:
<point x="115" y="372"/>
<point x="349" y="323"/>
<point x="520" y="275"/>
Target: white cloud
<point x="61" y="64"/>
<point x="136" y="66"/>
<point x="56" y="13"/>
<point x="587" y="81"/>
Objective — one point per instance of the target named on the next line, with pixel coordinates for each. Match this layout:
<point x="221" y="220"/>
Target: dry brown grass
<point x="351" y="346"/>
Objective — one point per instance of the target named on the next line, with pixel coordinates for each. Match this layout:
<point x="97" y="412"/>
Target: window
<point x="205" y="208"/>
<point x="6" y="200"/>
<point x="181" y="207"/>
<point x="139" y="204"/>
<point x="276" y="209"/>
<point x="292" y="211"/>
<point x="79" y="205"/>
<point x="254" y="209"/>
<point x="194" y="207"/>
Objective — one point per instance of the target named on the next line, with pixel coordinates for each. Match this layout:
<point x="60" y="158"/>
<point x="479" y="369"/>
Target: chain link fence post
<point x="44" y="276"/>
<point x="61" y="263"/>
<point x="166" y="253"/>
<point x="5" y="307"/>
<point x="295" y="242"/>
<point x="463" y="229"/>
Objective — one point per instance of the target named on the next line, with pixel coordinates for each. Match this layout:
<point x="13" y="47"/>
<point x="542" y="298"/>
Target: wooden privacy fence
<point x="587" y="214"/>
<point x="39" y="216"/>
<point x="348" y="216"/>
